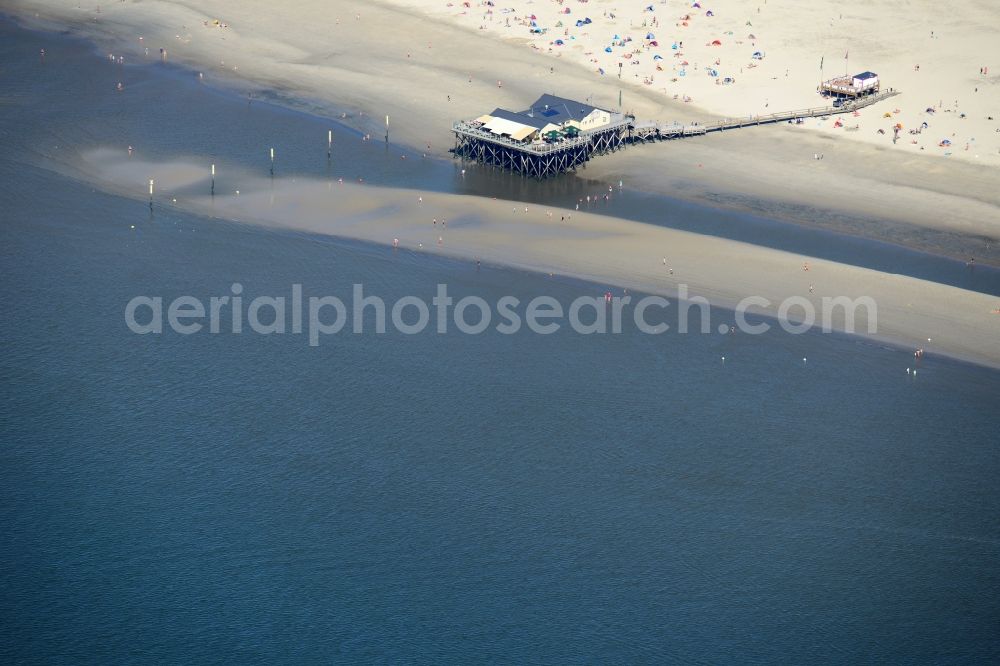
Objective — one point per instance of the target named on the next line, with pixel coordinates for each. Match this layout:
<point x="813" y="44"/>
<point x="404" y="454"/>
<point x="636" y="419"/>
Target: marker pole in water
<point x="387" y="129"/>
<point x="329" y="144"/>
<point x="272" y="162"/>
<point x="213" y="180"/>
<point x="150" y="195"/>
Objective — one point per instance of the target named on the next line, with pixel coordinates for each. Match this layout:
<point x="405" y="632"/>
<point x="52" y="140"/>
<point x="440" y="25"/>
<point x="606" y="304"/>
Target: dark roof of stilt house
<point x="547" y="109"/>
<point x="559" y="109"/>
<point x="538" y="122"/>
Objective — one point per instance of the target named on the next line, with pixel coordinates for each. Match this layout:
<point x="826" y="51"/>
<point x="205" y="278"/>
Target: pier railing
<point x="471" y="129"/>
<point x="652" y="128"/>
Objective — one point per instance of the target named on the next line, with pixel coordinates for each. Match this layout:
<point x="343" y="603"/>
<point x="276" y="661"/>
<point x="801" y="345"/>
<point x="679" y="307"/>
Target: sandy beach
<point x="625" y="255"/>
<point x="360" y="61"/>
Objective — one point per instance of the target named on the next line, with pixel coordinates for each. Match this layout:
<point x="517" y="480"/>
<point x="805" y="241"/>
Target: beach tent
<point x="657" y="57"/>
<point x="559" y="42"/>
<point x="654" y="43"/>
<point x="709" y="13"/>
<point x="696" y="5"/>
<point x="607" y="49"/>
<point x="716" y="42"/>
<point x="650" y="35"/>
<point x="757" y="55"/>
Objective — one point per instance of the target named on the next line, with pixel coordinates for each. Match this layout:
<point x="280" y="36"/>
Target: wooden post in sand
<point x="213" y="180"/>
<point x="272" y="163"/>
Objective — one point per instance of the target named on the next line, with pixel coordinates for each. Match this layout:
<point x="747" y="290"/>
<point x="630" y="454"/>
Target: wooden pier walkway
<point x="541" y="159"/>
<point x="652" y="130"/>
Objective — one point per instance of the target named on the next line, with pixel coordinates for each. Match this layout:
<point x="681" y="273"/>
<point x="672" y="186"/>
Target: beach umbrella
<point x="607" y="49"/>
<point x="650" y="35"/>
<point x="552" y="135"/>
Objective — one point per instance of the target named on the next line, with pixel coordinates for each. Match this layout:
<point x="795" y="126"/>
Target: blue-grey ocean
<point x="550" y="499"/>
